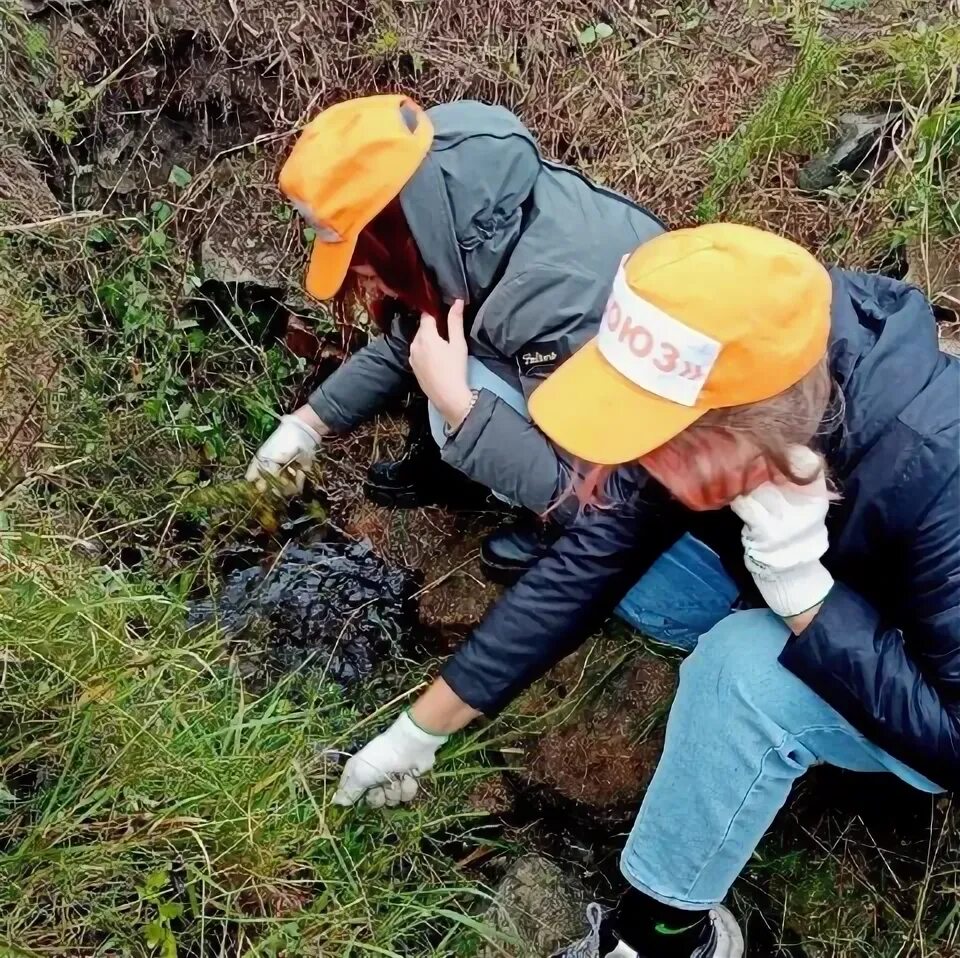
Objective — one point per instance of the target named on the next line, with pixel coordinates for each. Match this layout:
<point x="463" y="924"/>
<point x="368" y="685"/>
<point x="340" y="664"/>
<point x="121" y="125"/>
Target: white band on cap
<point x="652" y="349"/>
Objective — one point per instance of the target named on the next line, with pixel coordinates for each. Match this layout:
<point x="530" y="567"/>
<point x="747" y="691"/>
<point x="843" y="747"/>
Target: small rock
<point x="89" y="548"/>
<point x="537" y="909"/>
<point x="120" y="182"/>
<point x="859" y="141"/>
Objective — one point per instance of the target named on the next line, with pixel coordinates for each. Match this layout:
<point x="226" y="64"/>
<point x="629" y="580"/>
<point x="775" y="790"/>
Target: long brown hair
<point x="729" y="452"/>
<point x="387" y="246"/>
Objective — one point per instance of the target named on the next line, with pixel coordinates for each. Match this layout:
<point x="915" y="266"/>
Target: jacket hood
<point x="464" y="204"/>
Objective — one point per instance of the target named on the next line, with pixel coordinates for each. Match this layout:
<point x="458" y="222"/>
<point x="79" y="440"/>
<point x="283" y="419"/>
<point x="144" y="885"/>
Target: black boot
<point x="420" y="477"/>
<point x="509" y="551"/>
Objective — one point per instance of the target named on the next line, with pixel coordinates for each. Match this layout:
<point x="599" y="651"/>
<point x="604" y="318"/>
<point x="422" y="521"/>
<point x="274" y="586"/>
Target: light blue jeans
<point x="741" y="731"/>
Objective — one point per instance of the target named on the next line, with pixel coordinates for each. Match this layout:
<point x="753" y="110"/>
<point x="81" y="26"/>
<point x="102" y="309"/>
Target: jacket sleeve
<point x="506" y="452"/>
<point x="899" y="687"/>
<point x="495" y="445"/>
<point x="565" y="597"/>
<point x="367" y="380"/>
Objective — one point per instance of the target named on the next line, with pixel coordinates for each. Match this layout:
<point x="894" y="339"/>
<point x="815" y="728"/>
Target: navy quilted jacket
<point x="884" y="649"/>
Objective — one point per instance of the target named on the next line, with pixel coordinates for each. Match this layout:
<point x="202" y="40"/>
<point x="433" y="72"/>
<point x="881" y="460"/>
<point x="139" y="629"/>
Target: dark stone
<point x="859" y="145"/>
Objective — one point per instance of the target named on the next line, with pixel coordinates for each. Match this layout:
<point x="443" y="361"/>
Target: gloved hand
<point x="283" y="460"/>
<point x="387" y="767"/>
<point x="785" y="535"/>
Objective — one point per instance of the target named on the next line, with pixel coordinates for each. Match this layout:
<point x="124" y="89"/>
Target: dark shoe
<point x="722" y="939"/>
<point x="415" y="478"/>
<point x="406" y="482"/>
<point x="420" y="477"/>
<point x="512" y="549"/>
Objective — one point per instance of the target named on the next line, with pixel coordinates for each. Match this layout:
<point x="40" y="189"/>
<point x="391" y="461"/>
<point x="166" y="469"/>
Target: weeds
<point x="158" y="384"/>
<point x="792" y="113"/>
<point x="911" y="189"/>
<point x="152" y="801"/>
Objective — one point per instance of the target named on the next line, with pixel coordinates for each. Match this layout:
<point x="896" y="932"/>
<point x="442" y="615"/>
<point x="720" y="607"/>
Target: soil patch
<point x="594" y="767"/>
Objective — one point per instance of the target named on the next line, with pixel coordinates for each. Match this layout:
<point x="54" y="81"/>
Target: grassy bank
<point x="152" y="804"/>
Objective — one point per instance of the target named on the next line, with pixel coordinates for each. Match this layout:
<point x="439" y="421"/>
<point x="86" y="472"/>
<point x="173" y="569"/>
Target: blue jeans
<point x="742" y="728"/>
<point x="741" y="731"/>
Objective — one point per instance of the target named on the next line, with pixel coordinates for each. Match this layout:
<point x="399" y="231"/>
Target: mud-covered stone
<point x="330" y="608"/>
<point x="537" y="909"/>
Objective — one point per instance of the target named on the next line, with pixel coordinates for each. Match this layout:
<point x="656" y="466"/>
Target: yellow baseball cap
<point x="698" y="319"/>
<point x="348" y="164"/>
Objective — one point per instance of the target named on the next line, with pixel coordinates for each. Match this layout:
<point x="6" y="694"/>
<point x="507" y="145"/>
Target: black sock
<point x="650" y="927"/>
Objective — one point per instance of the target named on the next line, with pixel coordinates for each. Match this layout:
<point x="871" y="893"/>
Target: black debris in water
<point x="334" y="609"/>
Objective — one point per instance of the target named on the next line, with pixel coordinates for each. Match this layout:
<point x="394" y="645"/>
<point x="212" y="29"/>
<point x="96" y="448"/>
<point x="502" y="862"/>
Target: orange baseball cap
<point x="698" y="319"/>
<point x="348" y="164"/>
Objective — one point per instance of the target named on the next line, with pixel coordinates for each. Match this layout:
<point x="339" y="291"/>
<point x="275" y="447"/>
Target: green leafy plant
<point x="158" y="933"/>
<point x="594" y="33"/>
<point x="845" y="6"/>
<point x="179" y="177"/>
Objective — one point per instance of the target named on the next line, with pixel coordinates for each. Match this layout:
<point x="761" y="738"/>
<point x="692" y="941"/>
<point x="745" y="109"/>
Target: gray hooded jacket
<point x="532" y="248"/>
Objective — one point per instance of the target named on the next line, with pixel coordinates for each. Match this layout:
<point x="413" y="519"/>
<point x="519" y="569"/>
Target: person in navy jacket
<point x="785" y="442"/>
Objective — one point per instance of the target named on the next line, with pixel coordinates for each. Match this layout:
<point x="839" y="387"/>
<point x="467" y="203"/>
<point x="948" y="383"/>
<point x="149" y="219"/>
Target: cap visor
<point x="328" y="267"/>
<point x="596" y="414"/>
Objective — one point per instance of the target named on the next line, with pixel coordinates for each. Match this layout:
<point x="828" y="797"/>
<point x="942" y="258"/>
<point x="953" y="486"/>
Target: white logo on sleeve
<point x="652" y="349"/>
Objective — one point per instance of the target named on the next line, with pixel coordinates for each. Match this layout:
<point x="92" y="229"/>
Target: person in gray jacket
<point x="485" y="265"/>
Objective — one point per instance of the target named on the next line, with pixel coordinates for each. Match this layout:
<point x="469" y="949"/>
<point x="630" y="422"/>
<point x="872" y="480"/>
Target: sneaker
<point x="723" y="939"/>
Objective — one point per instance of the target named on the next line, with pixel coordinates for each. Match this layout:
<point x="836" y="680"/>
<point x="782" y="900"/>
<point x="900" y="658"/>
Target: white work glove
<point x="283" y="460"/>
<point x="785" y="536"/>
<point x="387" y="767"/>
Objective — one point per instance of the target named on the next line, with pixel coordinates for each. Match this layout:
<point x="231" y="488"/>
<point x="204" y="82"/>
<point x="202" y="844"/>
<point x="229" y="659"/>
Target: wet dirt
<point x="327" y="608"/>
<point x="590" y="772"/>
<point x="446" y="547"/>
<point x="444" y="544"/>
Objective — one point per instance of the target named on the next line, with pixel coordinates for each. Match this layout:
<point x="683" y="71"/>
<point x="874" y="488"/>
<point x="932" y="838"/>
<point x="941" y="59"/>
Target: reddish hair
<point x="386" y="245"/>
<point x="729" y="452"/>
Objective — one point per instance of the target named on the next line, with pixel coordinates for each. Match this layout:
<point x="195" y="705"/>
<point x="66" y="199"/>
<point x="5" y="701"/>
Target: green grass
<point x="153" y="396"/>
<point x="916" y="193"/>
<point x="148" y="796"/>
<point x="791" y="113"/>
<point x="150" y="802"/>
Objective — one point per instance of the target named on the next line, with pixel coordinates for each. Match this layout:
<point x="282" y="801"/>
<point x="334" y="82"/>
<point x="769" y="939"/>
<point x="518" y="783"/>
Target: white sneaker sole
<point x="729" y="936"/>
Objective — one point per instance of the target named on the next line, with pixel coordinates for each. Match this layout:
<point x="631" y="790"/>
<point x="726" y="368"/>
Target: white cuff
<point x="795" y="590"/>
<point x="309" y="431"/>
<point x="410" y="730"/>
